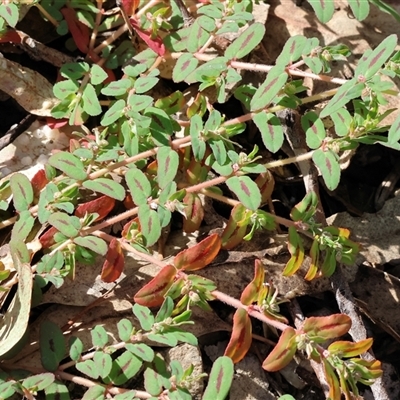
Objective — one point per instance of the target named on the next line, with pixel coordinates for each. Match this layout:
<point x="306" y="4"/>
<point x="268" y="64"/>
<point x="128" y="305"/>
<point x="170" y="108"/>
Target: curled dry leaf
<point x="30" y="89"/>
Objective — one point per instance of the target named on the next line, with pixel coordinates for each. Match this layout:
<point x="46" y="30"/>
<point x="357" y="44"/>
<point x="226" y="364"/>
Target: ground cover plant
<point x="145" y="159"/>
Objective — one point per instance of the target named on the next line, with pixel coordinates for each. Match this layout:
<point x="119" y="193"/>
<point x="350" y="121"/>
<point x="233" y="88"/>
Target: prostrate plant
<point x="155" y="156"/>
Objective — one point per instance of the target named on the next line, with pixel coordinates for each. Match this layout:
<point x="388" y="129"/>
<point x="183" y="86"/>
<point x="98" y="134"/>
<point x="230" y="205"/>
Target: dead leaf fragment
<point x="30" y="89"/>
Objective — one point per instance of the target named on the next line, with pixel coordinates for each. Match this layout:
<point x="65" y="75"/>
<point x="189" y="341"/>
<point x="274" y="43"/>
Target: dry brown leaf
<point x="30" y="89"/>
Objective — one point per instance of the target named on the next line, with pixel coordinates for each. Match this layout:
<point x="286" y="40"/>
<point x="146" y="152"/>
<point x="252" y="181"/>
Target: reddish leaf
<point x="79" y="31"/>
<point x="152" y="294"/>
<point x="241" y="338"/>
<point x="266" y="184"/>
<point x="194" y="212"/>
<point x="102" y="206"/>
<point x="283" y="352"/>
<point x="54" y="123"/>
<point x="156" y="44"/>
<point x="130" y="6"/>
<point x="47" y="239"/>
<point x="198" y="256"/>
<point x="236" y="227"/>
<point x="10" y="36"/>
<point x="250" y="293"/>
<point x="129" y="232"/>
<point x="114" y="264"/>
<point x="128" y="202"/>
<point x="350" y="349"/>
<point x="329" y="327"/>
<point x="332" y="380"/>
<point x="39" y="181"/>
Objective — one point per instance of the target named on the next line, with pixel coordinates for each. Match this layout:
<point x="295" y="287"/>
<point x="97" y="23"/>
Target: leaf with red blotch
<point x="129" y="6"/>
<point x="39" y="181"/>
<point x="152" y="294"/>
<point x="155" y="44"/>
<point x="102" y="206"/>
<point x="250" y="293"/>
<point x="322" y="328"/>
<point x="114" y="264"/>
<point x="241" y="338"/>
<point x="194" y="212"/>
<point x="198" y="256"/>
<point x="283" y="352"/>
<point x="47" y="239"/>
<point x="79" y="31"/>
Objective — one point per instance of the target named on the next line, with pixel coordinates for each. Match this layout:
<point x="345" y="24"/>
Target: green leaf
<point x="93" y="243"/>
<point x="329" y="165"/>
<point x="165" y="310"/>
<point x="95" y="393"/>
<point x="167" y="166"/>
<point x="131" y="395"/>
<point x="22" y="191"/>
<point x="56" y="391"/>
<point x="378" y="57"/>
<point x="89" y="368"/>
<point x="156" y="377"/>
<point x="342" y="121"/>
<point x="69" y="164"/>
<point x="160" y="126"/>
<point x="23" y="226"/>
<point x="103" y="361"/>
<point x="15" y="320"/>
<point x="74" y="70"/>
<point x="269" y="89"/>
<point x="246" y="190"/>
<point x="75" y="348"/>
<point x="117" y="88"/>
<point x="394" y="131"/>
<point x="220" y="379"/>
<point x="166" y="339"/>
<point x="65" y="88"/>
<point x="197" y="37"/>
<point x="314" y="129"/>
<point x="10" y="13"/>
<point x="141" y="350"/>
<point x="125" y="367"/>
<point x="150" y="224"/>
<point x="350" y="90"/>
<point x="38" y="382"/>
<point x="144" y="84"/>
<point x="138" y="185"/>
<point x="66" y="224"/>
<point x="52" y="345"/>
<point x="139" y="102"/>
<point x="115" y="112"/>
<point x="91" y="104"/>
<point x="7" y="389"/>
<point x="315" y="64"/>
<point x="144" y="316"/>
<point x="271" y="130"/>
<point x="246" y="42"/>
<point x="198" y="143"/>
<point x="106" y="186"/>
<point x="360" y="8"/>
<point x="292" y="50"/>
<point x="323" y="8"/>
<point x="125" y="329"/>
<point x="99" y="336"/>
<point x="184" y="66"/>
<point x="97" y="75"/>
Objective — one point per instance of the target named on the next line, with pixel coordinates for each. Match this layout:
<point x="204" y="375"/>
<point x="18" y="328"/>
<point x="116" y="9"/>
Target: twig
<point x="13" y="133"/>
